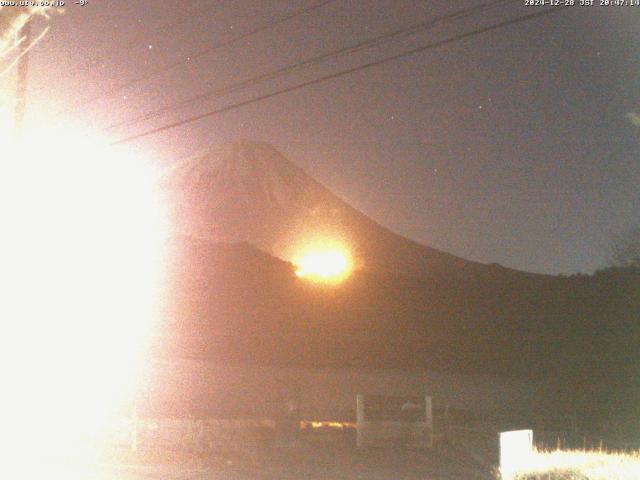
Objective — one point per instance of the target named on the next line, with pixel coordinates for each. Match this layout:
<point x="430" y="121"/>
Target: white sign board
<point x="516" y="450"/>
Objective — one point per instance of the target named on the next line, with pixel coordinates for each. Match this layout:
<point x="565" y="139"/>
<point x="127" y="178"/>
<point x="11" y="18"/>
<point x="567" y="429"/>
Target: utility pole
<point x="21" y="78"/>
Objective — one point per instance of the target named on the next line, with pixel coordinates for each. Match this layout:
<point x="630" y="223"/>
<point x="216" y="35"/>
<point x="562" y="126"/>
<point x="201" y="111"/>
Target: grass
<point x="581" y="465"/>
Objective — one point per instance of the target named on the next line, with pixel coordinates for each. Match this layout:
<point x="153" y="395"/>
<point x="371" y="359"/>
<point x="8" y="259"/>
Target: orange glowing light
<point x="328" y="263"/>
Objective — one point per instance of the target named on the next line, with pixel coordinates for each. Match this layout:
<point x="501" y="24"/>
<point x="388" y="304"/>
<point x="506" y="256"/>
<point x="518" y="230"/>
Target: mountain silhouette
<point x="249" y="192"/>
<point x="242" y="209"/>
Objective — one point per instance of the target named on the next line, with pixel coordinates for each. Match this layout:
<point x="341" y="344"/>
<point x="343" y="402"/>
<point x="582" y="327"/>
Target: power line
<point x="206" y="51"/>
<point x="341" y="73"/>
<point x="410" y="30"/>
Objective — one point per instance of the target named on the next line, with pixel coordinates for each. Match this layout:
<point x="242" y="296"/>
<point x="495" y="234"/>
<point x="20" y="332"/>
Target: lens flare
<point x="82" y="249"/>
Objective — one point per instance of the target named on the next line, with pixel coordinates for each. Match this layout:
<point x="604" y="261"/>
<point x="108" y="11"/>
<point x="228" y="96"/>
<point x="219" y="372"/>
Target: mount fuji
<point x="249" y="192"/>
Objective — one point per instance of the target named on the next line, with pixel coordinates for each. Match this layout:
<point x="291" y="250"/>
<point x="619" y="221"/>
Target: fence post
<point x="446" y="423"/>
<point x="360" y="420"/>
<point x="429" y="421"/>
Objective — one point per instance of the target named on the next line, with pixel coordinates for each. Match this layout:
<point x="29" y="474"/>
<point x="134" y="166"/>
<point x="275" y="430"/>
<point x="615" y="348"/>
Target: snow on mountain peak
<point x="241" y="191"/>
<point x="251" y="172"/>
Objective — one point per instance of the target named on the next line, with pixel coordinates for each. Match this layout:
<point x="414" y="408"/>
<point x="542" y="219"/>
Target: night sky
<point x="519" y="146"/>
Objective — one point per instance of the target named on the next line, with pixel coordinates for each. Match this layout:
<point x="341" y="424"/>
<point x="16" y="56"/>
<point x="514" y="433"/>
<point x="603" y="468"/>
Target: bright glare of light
<point x="324" y="263"/>
<point x="516" y="450"/>
<point x="81" y="254"/>
<point x="595" y="464"/>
